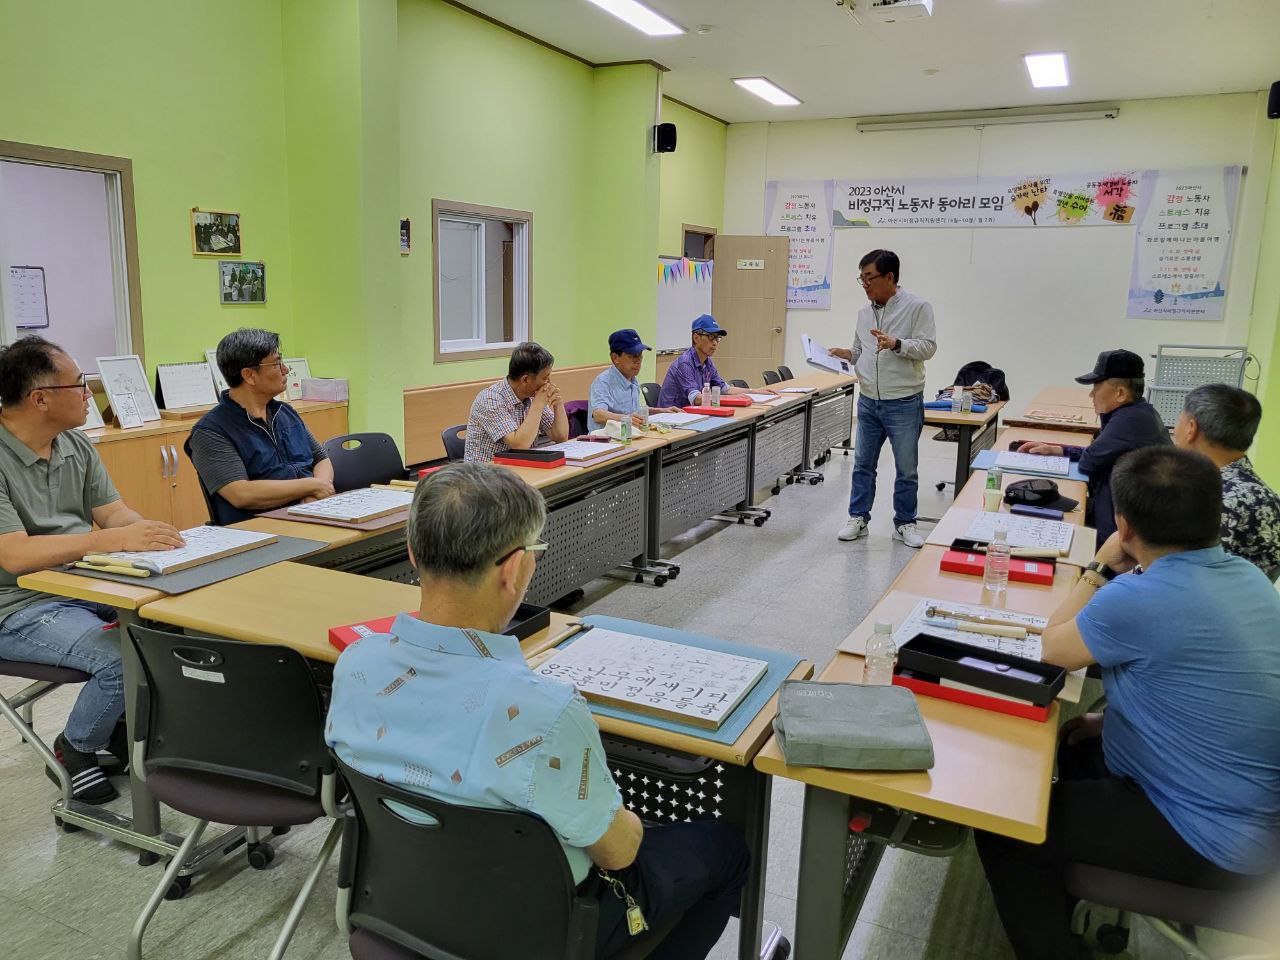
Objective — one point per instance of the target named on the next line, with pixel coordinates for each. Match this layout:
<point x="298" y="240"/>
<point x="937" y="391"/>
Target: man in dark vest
<point x="252" y="452"/>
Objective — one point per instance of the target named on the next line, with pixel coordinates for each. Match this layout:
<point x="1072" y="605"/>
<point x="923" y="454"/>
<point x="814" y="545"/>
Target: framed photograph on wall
<point x="406" y="240"/>
<point x="128" y="389"/>
<point x="242" y="282"/>
<point x="214" y="233"/>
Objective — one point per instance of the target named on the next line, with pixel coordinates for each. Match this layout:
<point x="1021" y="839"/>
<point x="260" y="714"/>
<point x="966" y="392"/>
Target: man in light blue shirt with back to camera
<point x="615" y="393"/>
<point x="1179" y="780"/>
<point x="445" y="705"/>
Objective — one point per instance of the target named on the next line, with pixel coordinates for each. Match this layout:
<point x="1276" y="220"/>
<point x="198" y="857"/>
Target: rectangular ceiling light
<point x="1047" y="69"/>
<point x="641" y="17"/>
<point x="765" y="90"/>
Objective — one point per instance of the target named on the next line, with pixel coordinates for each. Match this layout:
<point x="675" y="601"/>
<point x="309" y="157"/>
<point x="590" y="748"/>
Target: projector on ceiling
<point x="887" y="11"/>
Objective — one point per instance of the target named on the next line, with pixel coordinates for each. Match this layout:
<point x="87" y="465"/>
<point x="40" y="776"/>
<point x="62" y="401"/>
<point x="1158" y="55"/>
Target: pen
<point x="106" y="560"/>
<point x="113" y="568"/>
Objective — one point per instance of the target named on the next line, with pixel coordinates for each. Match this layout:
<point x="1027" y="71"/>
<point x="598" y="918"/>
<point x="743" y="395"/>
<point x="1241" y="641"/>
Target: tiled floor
<point x="788" y="584"/>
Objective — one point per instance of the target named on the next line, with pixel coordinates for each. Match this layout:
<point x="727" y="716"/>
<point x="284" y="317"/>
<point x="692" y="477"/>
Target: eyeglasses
<point x="272" y="363"/>
<point x="715" y="337"/>
<point x="537" y="547"/>
<point x="866" y="281"/>
<point x="78" y="385"/>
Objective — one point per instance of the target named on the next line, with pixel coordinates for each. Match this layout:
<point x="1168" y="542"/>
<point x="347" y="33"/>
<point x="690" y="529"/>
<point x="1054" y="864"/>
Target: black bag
<point x="979" y="371"/>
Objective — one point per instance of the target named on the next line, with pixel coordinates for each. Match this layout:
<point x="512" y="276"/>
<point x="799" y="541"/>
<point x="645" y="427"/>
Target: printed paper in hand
<point x="680" y="419"/>
<point x="663" y="679"/>
<point x="1033" y="463"/>
<point x="204" y="544"/>
<point x="355" y="506"/>
<point x="816" y="354"/>
<point x="1022" y="531"/>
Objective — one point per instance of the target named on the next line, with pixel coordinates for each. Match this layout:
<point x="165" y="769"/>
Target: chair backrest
<point x="208" y="500"/>
<point x="785" y="372"/>
<point x="739" y="383"/>
<point x="651" y="393"/>
<point x="576" y="411"/>
<point x="770" y="377"/>
<point x="456" y="881"/>
<point x="363" y="459"/>
<point x="455" y="441"/>
<point x="246" y="710"/>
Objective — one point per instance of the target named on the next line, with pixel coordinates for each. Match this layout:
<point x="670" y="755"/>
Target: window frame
<point x="522" y="279"/>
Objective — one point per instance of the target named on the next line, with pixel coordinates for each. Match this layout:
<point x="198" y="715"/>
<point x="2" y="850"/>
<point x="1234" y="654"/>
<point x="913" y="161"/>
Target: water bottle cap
<point x="883" y="626"/>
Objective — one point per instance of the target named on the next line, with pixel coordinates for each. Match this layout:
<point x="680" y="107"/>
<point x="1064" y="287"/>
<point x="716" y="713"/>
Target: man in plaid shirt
<point x="518" y="411"/>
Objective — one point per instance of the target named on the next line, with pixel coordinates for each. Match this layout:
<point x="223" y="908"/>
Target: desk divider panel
<point x="700" y="484"/>
<point x="779" y="447"/>
<point x="831" y="424"/>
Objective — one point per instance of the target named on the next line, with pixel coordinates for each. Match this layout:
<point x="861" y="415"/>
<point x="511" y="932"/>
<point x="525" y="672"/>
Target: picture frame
<point x="94" y="419"/>
<point x="242" y="282"/>
<point x="215" y="233"/>
<point x="128" y="389"/>
<point x="406" y="237"/>
<point x="30" y="297"/>
<point x="299" y="370"/>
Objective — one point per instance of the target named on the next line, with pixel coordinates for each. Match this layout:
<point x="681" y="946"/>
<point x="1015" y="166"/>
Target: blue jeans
<point x="73" y="633"/>
<point x="693" y="870"/>
<point x="901" y="422"/>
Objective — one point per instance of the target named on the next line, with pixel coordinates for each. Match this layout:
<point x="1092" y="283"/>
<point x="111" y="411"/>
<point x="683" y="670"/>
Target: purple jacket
<point x="685" y="376"/>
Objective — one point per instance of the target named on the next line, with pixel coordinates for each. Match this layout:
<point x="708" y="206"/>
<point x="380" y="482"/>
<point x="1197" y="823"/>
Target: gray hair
<point x="1137" y="386"/>
<point x="467" y="515"/>
<point x="530" y="359"/>
<point x="1226" y="415"/>
<point x="246" y="347"/>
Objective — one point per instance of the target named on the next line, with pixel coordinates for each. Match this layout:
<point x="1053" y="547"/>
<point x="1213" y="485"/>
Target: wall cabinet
<point x="155" y="477"/>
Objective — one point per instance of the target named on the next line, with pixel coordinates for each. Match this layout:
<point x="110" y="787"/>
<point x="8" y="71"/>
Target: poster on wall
<point x="1029" y="200"/>
<point x="801" y="211"/>
<point x="1182" y="248"/>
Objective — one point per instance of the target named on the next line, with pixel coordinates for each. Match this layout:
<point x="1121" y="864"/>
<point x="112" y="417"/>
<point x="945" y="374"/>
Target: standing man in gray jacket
<point x="894" y="336"/>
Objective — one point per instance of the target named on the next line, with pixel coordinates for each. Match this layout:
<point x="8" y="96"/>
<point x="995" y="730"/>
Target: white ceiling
<point x="1117" y="50"/>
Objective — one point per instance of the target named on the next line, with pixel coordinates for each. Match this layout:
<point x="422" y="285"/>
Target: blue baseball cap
<point x="707" y="324"/>
<point x="626" y="341"/>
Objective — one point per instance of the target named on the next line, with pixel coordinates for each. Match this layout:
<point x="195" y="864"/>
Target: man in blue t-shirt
<point x="1182" y="781"/>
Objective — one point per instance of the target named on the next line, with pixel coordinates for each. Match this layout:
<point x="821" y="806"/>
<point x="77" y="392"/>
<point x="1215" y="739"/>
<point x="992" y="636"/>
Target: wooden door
<point x="140" y="468"/>
<point x="749" y="299"/>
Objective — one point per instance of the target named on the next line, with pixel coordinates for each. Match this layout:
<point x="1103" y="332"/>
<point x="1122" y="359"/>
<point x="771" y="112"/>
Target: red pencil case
<point x="342" y="637"/>
<point x="541" y="459"/>
<point x="1020" y="570"/>
<point x="735" y="401"/>
<point x="710" y="411"/>
<point x="1015" y="708"/>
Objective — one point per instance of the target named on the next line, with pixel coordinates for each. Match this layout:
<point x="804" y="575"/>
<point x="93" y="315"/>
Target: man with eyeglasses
<point x="445" y="705"/>
<point x="682" y="386"/>
<point x="253" y="452"/>
<point x="893" y="337"/>
<point x="53" y="491"/>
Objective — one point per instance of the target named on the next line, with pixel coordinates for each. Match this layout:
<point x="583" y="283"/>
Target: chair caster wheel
<point x="639" y="578"/>
<point x="659" y="581"/>
<point x="67" y="827"/>
<point x="178" y="889"/>
<point x="280" y="831"/>
<point x="814" y="481"/>
<point x="1112" y="939"/>
<point x="790" y="481"/>
<point x="782" y="950"/>
<point x="673" y="572"/>
<point x="146" y="858"/>
<point x="941" y="486"/>
<point x="759" y="521"/>
<point x="776" y="490"/>
<point x="260" y="855"/>
<point x="742" y="519"/>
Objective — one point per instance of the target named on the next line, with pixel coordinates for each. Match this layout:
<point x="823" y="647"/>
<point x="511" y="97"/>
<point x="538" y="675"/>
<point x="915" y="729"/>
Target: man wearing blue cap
<point x="694" y="367"/>
<point x="615" y="394"/>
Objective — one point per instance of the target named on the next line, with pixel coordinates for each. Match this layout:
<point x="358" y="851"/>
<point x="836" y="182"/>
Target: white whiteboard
<point x="680" y="301"/>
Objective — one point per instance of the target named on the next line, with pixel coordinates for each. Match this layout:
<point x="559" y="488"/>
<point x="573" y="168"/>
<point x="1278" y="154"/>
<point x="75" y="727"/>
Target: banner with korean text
<point x="801" y="211"/>
<point x="1182" y="250"/>
<point x="1042" y="200"/>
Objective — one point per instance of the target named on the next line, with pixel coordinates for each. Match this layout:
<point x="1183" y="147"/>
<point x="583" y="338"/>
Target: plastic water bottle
<point x="624" y="430"/>
<point x="642" y="412"/>
<point x="995" y="574"/>
<point x="715" y="395"/>
<point x="881" y="656"/>
<point x="995" y="478"/>
<point x="706" y="393"/>
<point x="966" y="402"/>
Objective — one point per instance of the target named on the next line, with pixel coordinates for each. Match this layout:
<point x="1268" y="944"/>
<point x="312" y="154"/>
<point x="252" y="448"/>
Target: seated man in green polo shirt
<point x="53" y="489"/>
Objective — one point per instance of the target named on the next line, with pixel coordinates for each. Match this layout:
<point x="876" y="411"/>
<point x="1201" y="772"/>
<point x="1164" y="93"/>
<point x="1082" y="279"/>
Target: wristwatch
<point x="1097" y="574"/>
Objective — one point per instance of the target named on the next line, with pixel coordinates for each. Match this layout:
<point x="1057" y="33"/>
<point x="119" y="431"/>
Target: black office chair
<point x="771" y="377"/>
<point x="204" y="492"/>
<point x="1172" y="910"/>
<point x="785" y="372"/>
<point x="651" y="392"/>
<point x="455" y="441"/>
<point x="740" y="383"/>
<point x="232" y="733"/>
<point x="395" y="909"/>
<point x="363" y="459"/>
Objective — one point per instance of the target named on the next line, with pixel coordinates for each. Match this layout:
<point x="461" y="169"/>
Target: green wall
<point x="692" y="177"/>
<point x="1266" y="319"/>
<point x="192" y="93"/>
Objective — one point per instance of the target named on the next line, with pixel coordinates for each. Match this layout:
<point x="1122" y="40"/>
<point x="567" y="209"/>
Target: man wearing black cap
<point x="615" y="394"/>
<point x="1128" y="422"/>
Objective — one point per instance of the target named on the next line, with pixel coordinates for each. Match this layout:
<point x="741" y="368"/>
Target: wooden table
<point x="1071" y="403"/>
<point x="979" y="427"/>
<point x="971" y="496"/>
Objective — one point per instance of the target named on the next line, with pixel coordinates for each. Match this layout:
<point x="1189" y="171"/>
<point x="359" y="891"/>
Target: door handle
<point x="777" y="329"/>
<point x="164" y="456"/>
<point x="173" y="461"/>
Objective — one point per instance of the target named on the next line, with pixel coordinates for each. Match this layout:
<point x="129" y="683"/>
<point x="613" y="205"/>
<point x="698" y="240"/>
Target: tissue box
<point x="316" y="388"/>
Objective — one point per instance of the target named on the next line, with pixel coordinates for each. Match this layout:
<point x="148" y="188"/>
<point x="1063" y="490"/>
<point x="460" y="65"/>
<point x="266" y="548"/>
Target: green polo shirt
<point x="54" y="496"/>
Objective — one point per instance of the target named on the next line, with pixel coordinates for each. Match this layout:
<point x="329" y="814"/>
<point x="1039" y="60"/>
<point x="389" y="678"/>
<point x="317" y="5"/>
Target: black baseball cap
<point x="1038" y="492"/>
<point x="1124" y="364"/>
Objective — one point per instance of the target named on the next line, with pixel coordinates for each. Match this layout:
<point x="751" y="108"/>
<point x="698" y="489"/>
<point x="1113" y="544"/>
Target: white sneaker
<point x="855" y="527"/>
<point x="909" y="535"/>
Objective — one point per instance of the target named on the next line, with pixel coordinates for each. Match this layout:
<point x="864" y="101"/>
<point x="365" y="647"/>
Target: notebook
<point x="1033" y="463"/>
<point x="355" y="506"/>
<point x="203" y="545"/>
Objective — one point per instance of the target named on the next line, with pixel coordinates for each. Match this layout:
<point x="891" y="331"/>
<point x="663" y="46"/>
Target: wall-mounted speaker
<point x="664" y="137"/>
<point x="1273" y="102"/>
